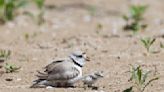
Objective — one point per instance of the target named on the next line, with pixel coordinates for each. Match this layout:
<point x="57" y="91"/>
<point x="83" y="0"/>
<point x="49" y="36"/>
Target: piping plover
<point x="90" y="79"/>
<point x="62" y="73"/>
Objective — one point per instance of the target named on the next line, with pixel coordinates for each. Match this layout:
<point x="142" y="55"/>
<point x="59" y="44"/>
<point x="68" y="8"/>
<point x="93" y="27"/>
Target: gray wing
<point x="50" y="66"/>
<point x="59" y="72"/>
<point x="63" y="72"/>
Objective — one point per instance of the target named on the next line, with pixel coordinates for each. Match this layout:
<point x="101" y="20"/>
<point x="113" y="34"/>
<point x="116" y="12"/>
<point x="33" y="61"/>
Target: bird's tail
<point x="41" y="75"/>
<point x="41" y="81"/>
<point x="39" y="84"/>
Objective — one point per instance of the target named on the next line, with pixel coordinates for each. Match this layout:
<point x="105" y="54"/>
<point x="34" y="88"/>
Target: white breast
<point x="89" y="80"/>
<point x="78" y="77"/>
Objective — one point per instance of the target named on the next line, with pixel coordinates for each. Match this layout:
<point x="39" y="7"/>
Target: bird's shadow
<point x="82" y="87"/>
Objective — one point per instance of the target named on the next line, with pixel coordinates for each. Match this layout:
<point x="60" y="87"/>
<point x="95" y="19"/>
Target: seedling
<point x="92" y="10"/>
<point x="8" y="9"/>
<point x="134" y="21"/>
<point x="99" y="27"/>
<point x="148" y="42"/>
<point x="161" y="45"/>
<point x="40" y="4"/>
<point x="139" y="78"/>
<point x="11" y="68"/>
<point x="26" y="36"/>
<point x="137" y="12"/>
<point x="4" y="54"/>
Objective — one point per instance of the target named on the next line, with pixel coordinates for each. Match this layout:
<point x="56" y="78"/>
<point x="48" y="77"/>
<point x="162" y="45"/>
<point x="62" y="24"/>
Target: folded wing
<point x="59" y="72"/>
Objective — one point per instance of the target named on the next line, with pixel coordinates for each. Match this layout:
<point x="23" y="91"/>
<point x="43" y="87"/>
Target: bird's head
<point x="99" y="74"/>
<point x="79" y="58"/>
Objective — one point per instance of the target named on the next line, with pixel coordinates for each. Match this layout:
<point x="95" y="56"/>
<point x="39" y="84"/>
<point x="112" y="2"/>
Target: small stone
<point x="2" y="60"/>
<point x="162" y="31"/>
<point x="139" y="61"/>
<point x="18" y="79"/>
<point x="87" y="18"/>
<point x="10" y="25"/>
<point x="145" y="54"/>
<point x="34" y="59"/>
<point x="49" y="87"/>
<point x="105" y="51"/>
<point x="9" y="79"/>
<point x="101" y="91"/>
<point x="95" y="88"/>
<point x="1" y="73"/>
<point x="118" y="57"/>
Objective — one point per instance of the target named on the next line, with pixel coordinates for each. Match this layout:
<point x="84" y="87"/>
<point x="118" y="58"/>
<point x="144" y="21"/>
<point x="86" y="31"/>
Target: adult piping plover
<point x="62" y="73"/>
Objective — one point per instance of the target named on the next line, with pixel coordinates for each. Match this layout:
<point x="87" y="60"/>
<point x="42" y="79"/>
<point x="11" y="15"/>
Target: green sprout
<point x="92" y="10"/>
<point x="4" y="54"/>
<point x="40" y="4"/>
<point x="134" y="21"/>
<point x="161" y="45"/>
<point x="139" y="78"/>
<point x="99" y="27"/>
<point x="148" y="42"/>
<point x="8" y="9"/>
<point x="11" y="68"/>
<point x="26" y="36"/>
<point x="137" y="12"/>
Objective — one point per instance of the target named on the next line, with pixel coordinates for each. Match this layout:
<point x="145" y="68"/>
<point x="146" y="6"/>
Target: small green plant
<point x="161" y="45"/>
<point x="139" y="78"/>
<point x="26" y="36"/>
<point x="148" y="42"/>
<point x="8" y="9"/>
<point x="4" y="54"/>
<point x="137" y="12"/>
<point x="134" y="21"/>
<point x="40" y="4"/>
<point x="92" y="10"/>
<point x="99" y="27"/>
<point x="11" y="68"/>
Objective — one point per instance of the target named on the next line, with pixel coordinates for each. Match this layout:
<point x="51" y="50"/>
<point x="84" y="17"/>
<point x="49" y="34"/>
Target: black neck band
<point x="76" y="63"/>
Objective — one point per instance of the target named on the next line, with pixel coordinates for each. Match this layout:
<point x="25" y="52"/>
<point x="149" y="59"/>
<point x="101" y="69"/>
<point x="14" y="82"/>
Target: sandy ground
<point x="72" y="26"/>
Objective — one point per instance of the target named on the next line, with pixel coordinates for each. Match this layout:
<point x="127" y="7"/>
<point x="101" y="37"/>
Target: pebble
<point x="9" y="79"/>
<point x="87" y="18"/>
<point x="99" y="91"/>
<point x="49" y="87"/>
<point x="18" y="79"/>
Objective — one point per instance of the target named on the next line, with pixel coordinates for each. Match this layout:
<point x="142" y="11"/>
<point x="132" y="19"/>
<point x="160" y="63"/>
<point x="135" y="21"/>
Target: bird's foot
<point x="91" y="87"/>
